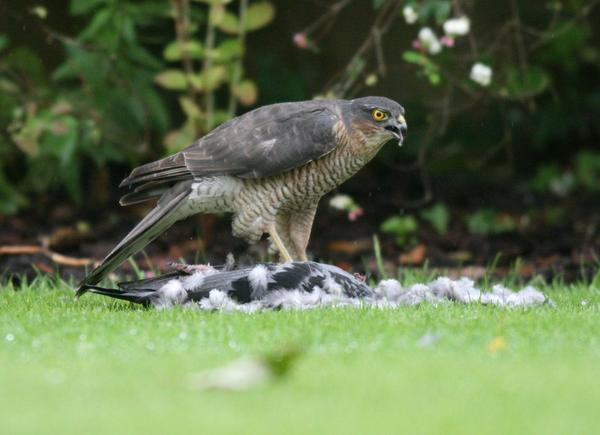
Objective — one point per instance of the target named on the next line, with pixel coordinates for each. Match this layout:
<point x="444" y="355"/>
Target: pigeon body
<point x="245" y="285"/>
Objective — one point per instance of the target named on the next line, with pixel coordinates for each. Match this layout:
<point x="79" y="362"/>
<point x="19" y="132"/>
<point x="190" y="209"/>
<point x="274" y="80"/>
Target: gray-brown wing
<point x="267" y="141"/>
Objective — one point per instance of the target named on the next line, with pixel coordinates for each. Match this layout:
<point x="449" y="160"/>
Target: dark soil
<point x="569" y="249"/>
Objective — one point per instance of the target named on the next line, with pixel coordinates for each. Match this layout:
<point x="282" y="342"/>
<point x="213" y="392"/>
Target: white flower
<point x="481" y="74"/>
<point x="457" y="26"/>
<point x="341" y="202"/>
<point x="429" y="40"/>
<point x="410" y="15"/>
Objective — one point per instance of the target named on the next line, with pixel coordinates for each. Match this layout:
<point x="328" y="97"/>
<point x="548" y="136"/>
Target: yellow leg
<point x="283" y="252"/>
<point x="300" y="225"/>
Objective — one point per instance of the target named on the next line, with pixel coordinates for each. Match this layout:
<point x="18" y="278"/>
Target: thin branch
<point x="520" y="43"/>
<point x="327" y="18"/>
<point x="181" y="31"/>
<point x="458" y="10"/>
<point x="379" y="52"/>
<point x="343" y="82"/>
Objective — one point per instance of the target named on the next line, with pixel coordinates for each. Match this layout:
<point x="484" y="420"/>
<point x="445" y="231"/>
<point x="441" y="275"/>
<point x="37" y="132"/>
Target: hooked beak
<point x="398" y="128"/>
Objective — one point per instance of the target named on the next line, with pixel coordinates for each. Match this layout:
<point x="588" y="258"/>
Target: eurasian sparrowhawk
<point x="269" y="167"/>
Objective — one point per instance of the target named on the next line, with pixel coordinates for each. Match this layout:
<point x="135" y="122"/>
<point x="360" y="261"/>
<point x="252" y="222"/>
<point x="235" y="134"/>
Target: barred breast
<point x="260" y="200"/>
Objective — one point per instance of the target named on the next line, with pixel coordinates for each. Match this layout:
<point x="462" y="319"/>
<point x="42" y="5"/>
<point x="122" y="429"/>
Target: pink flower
<point x="416" y="44"/>
<point x="300" y="40"/>
<point x="448" y="41"/>
<point x="355" y="213"/>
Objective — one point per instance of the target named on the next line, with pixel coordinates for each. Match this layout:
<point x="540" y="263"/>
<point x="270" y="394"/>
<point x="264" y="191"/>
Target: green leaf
<point x="437" y="9"/>
<point x="226" y="22"/>
<point x="102" y="18"/>
<point x="210" y="79"/>
<point x="176" y="140"/>
<point x="172" y="79"/>
<point x="60" y="139"/>
<point x="39" y="11"/>
<point x="80" y="7"/>
<point x="434" y="77"/>
<point x="175" y="50"/>
<point x="520" y="85"/>
<point x="227" y="50"/>
<point x="544" y="176"/>
<point x="429" y="68"/>
<point x="246" y="92"/>
<point x="487" y="221"/>
<point x="27" y="138"/>
<point x="414" y="57"/>
<point x="214" y="2"/>
<point x="8" y="86"/>
<point x="402" y="227"/>
<point x="190" y="108"/>
<point x="3" y="42"/>
<point x="442" y="11"/>
<point x="587" y="170"/>
<point x="438" y="217"/>
<point x="213" y="77"/>
<point x="220" y="116"/>
<point x="10" y="198"/>
<point x="377" y="4"/>
<point x="259" y="15"/>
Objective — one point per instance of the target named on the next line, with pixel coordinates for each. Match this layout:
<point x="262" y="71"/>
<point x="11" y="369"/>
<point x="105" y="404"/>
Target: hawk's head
<point x="378" y="118"/>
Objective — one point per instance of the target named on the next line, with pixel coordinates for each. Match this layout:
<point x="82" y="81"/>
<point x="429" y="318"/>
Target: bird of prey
<point x="268" y="283"/>
<point x="269" y="167"/>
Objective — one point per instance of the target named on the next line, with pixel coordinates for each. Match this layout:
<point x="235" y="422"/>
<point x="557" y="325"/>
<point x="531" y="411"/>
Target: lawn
<point x="99" y="366"/>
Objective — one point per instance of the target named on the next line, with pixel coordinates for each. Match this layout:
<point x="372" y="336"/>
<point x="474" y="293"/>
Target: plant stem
<point x="237" y="67"/>
<point x="209" y="44"/>
<point x="379" y="258"/>
<point x="181" y="30"/>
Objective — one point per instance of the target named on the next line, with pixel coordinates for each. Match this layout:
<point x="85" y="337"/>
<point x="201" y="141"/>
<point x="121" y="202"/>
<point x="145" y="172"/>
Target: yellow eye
<point x="379" y="115"/>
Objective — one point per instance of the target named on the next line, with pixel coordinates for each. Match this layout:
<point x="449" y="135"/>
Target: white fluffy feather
<point x="259" y="280"/>
<point x="389" y="293"/>
<point x="170" y="294"/>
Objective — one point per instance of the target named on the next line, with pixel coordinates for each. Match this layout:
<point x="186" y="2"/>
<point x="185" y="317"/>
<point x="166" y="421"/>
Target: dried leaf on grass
<point x="245" y="373"/>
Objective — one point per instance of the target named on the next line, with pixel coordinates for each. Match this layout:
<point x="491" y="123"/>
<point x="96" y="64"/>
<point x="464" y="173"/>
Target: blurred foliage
<point x="204" y="66"/>
<point x="438" y="216"/>
<point x="488" y="221"/>
<point x="101" y="105"/>
<point x="76" y="118"/>
<point x="402" y="228"/>
<point x="119" y="82"/>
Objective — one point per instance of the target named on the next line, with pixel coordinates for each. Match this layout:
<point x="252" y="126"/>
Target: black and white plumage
<point x="269" y="283"/>
<point x="269" y="167"/>
<point x="302" y="285"/>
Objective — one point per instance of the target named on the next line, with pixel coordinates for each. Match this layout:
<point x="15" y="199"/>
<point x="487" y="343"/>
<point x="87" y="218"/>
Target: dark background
<point x="506" y="175"/>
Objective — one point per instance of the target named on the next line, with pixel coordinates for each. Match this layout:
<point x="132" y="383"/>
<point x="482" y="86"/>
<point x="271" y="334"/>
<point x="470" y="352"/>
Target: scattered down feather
<point x="302" y="285"/>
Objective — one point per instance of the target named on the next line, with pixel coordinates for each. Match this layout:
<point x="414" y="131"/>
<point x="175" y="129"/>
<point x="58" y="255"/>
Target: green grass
<point x="98" y="366"/>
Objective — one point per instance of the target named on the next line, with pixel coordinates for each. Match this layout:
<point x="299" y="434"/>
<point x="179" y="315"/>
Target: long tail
<point x="154" y="223"/>
<point x="138" y="296"/>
